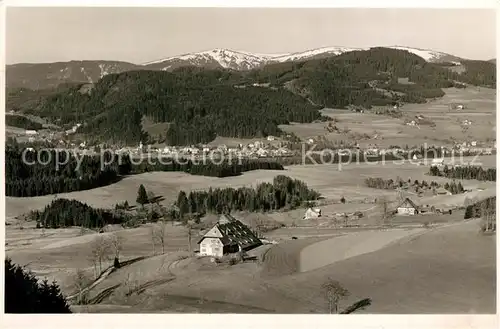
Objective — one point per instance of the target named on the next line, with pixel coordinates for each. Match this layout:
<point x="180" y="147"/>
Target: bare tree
<point x="127" y="283"/>
<point x="151" y="196"/>
<point x="484" y="209"/>
<point x="132" y="283"/>
<point x="401" y="195"/>
<point x="158" y="233"/>
<point x="488" y="215"/>
<point x="94" y="264"/>
<point x="81" y="282"/>
<point x="153" y="238"/>
<point x="384" y="208"/>
<point x="117" y="245"/>
<point x="189" y="236"/>
<point x="334" y="292"/>
<point x="100" y="251"/>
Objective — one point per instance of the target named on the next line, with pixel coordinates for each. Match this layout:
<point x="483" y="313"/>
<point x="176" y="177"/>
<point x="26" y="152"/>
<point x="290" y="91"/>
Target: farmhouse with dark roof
<point x="229" y="235"/>
<point x="407" y="207"/>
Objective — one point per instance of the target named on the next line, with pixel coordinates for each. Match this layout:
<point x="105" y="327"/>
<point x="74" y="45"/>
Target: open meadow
<point x="425" y="264"/>
<point x="384" y="131"/>
<point x="452" y="266"/>
<point x="332" y="181"/>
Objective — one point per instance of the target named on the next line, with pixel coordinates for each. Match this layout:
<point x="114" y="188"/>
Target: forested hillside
<point x="24" y="99"/>
<point x="202" y="104"/>
<point x="479" y="73"/>
<point x="32" y="177"/>
<point x="60" y="172"/>
<point x="20" y="121"/>
<point x="368" y="77"/>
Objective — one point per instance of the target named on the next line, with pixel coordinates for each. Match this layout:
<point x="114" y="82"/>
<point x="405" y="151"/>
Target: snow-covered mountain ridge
<point x="45" y="75"/>
<point x="242" y="60"/>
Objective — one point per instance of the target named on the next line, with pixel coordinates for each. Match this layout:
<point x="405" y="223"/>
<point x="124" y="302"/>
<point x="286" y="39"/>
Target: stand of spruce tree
<point x="283" y="192"/>
<point x="24" y="294"/>
<point x="67" y="213"/>
<point x="475" y="210"/>
<point x="466" y="172"/>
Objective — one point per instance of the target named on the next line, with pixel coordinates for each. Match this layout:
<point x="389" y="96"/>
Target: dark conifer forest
<point x="467" y="172"/>
<point x="20" y="121"/>
<point x="283" y="192"/>
<point x="24" y="294"/>
<point x="476" y="210"/>
<point x="223" y="169"/>
<point x="40" y="174"/>
<point x="67" y="213"/>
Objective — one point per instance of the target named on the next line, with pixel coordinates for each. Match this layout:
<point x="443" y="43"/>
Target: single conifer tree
<point x="142" y="196"/>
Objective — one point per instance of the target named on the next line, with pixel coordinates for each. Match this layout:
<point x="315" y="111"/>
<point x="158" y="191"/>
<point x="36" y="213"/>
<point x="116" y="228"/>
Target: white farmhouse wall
<point x="406" y="211"/>
<point x="211" y="247"/>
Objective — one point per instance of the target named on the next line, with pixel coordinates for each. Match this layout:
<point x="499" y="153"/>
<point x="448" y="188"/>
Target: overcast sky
<point x="140" y="35"/>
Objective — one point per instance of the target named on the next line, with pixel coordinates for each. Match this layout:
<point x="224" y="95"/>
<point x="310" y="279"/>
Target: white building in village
<point x="437" y="163"/>
<point x="312" y="213"/>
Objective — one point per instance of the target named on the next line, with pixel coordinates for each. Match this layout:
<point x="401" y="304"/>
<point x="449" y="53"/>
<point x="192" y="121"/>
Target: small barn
<point x="457" y="106"/>
<point x="442" y="191"/>
<point x="229" y="235"/>
<point x="312" y="213"/>
<point x="407" y="207"/>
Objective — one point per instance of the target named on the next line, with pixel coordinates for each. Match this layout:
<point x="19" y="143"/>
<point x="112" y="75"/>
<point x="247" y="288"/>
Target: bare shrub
<point x="333" y="292"/>
<point x="383" y="204"/>
<point x="100" y="252"/>
<point x="81" y="281"/>
<point x="116" y="244"/>
<point x="233" y="261"/>
<point x="489" y="218"/>
<point x="189" y="236"/>
<point x="158" y="232"/>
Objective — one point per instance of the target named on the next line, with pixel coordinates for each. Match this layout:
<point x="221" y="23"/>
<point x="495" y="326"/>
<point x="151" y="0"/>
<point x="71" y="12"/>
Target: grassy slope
<point x="449" y="270"/>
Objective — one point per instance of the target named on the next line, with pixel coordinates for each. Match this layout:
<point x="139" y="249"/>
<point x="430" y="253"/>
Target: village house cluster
<point x="252" y="150"/>
<point x="269" y="147"/>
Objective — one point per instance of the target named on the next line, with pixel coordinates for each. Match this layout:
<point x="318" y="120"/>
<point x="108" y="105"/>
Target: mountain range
<point x="251" y="96"/>
<point x="47" y="75"/>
